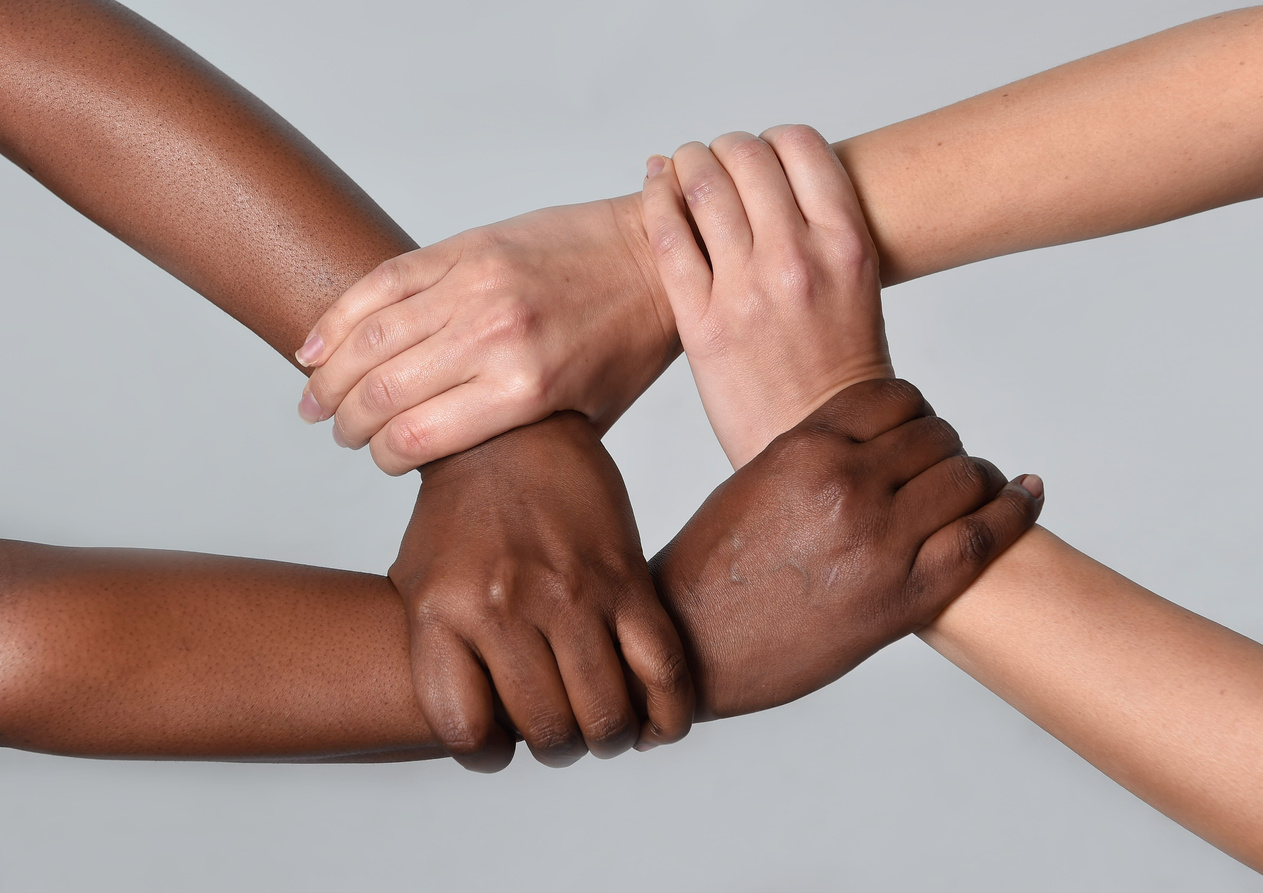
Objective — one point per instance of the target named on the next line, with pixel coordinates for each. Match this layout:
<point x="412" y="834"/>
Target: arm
<point x="147" y="139"/>
<point x="1163" y="701"/>
<point x="821" y="550"/>
<point x="1160" y="128"/>
<point x="1157" y="129"/>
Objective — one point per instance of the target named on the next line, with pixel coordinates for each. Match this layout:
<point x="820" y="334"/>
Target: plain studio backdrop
<point x="1123" y="370"/>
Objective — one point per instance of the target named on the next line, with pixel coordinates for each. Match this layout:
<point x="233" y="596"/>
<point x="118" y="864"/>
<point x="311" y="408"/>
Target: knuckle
<point x="799" y="277"/>
<point x="608" y="730"/>
<point x="512" y="320"/>
<point x="383" y="392"/>
<point x="669" y="673"/>
<point x="900" y="394"/>
<point x="967" y="475"/>
<point x="463" y="735"/>
<point x="800" y="137"/>
<point x="975" y="541"/>
<point x="407" y="440"/>
<point x="375" y="339"/>
<point x="494" y="269"/>
<point x="745" y="150"/>
<point x="701" y="191"/>
<point x="530" y="388"/>
<point x="551" y="736"/>
<point x="387" y="277"/>
<point x="668" y="244"/>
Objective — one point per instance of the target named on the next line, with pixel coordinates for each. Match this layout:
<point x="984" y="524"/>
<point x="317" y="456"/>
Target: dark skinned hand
<point x="527" y="593"/>
<point x="851" y="530"/>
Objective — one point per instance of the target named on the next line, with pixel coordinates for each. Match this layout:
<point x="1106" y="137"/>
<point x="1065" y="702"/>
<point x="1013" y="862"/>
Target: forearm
<point x="147" y="139"/>
<point x="1137" y="135"/>
<point x="1165" y="702"/>
<point x="161" y="654"/>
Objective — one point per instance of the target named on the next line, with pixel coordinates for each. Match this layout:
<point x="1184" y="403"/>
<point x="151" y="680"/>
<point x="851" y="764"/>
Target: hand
<point x="443" y="348"/>
<point x="791" y="312"/>
<point x="854" y="529"/>
<point x="522" y="571"/>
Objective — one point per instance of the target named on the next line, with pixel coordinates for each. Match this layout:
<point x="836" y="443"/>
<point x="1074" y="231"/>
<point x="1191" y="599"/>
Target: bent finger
<point x="913" y="448"/>
<point x="448" y="423"/>
<point x="375" y="341"/>
<point x="713" y="202"/>
<point x="869" y="409"/>
<point x="456" y="699"/>
<point x="765" y="192"/>
<point x="391" y="281"/>
<point x="655" y="655"/>
<point x="593" y="676"/>
<point x="950" y="560"/>
<point x="685" y="273"/>
<point x="527" y="679"/>
<point x="948" y="491"/>
<point x="820" y="184"/>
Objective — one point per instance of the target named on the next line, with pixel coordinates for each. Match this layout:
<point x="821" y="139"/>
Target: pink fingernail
<point x="338" y="439"/>
<point x="1033" y="484"/>
<point x="655" y="164"/>
<point x="309" y="410"/>
<point x="310" y="351"/>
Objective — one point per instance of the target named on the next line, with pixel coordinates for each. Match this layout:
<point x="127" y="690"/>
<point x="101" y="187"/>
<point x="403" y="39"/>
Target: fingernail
<point x="338" y="439"/>
<point x="309" y="410"/>
<point x="654" y="165"/>
<point x="1032" y="484"/>
<point x="644" y="746"/>
<point x="310" y="350"/>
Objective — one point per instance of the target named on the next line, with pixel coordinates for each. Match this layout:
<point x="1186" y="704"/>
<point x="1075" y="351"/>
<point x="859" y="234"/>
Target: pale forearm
<point x="1165" y="702"/>
<point x="1140" y="134"/>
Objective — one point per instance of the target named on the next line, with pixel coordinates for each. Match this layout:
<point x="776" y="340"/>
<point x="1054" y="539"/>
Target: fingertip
<point x="309" y="409"/>
<point x="310" y="352"/>
<point x="1032" y="484"/>
<point x="654" y="166"/>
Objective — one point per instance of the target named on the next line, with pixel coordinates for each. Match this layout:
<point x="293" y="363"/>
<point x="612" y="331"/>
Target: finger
<point x="713" y="202"/>
<point x="760" y="182"/>
<point x="869" y="409"/>
<point x="914" y="447"/>
<point x="946" y="492"/>
<point x="450" y="423"/>
<point x="406" y="381"/>
<point x="821" y="187"/>
<point x="456" y="699"/>
<point x="593" y="676"/>
<point x="392" y="281"/>
<point x="950" y="560"/>
<point x="526" y="677"/>
<point x="374" y="341"/>
<point x="655" y="655"/>
<point x="686" y="275"/>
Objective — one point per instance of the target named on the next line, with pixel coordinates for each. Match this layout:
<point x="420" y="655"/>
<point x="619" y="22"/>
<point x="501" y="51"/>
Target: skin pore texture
<point x="1097" y="146"/>
<point x="1013" y="630"/>
<point x="156" y="654"/>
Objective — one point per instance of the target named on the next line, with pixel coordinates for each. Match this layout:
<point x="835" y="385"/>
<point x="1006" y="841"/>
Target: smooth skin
<point x="1167" y="703"/>
<point x="825" y="541"/>
<point x="449" y="344"/>
<point x="130" y="653"/>
<point x="148" y="140"/>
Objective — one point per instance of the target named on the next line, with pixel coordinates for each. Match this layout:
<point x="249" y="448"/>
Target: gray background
<point x="1123" y="370"/>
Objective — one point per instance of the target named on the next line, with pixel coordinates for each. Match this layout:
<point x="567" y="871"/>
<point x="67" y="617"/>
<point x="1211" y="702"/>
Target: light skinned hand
<point x="530" y="604"/>
<point x="854" y="528"/>
<point x="784" y="308"/>
<point x="442" y="348"/>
